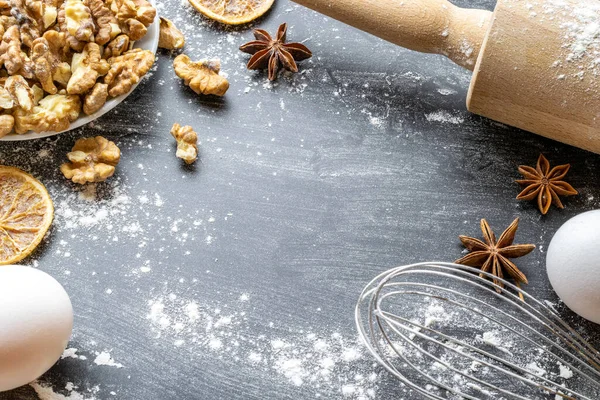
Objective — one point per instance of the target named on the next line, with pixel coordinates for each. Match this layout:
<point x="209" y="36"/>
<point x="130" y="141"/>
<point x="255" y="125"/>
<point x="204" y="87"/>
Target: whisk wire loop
<point x="448" y="355"/>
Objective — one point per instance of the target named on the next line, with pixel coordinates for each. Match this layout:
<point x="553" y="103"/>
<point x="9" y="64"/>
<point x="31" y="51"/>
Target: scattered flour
<point x="72" y="353"/>
<point x="439" y="318"/>
<point x="444" y="116"/>
<point x="535" y="368"/>
<point x="244" y="297"/>
<point x="580" y="26"/>
<point x="376" y="121"/>
<point x="324" y="361"/>
<point x="104" y="358"/>
<point x="583" y="30"/>
<point x="491" y="338"/>
<point x="446" y="92"/>
<point x="565" y="372"/>
<point x="46" y="392"/>
<point x="333" y="364"/>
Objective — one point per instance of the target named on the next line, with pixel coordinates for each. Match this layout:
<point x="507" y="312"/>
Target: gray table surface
<point x="237" y="277"/>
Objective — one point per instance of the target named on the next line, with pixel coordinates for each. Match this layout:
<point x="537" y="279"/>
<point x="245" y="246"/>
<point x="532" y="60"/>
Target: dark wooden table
<point x="236" y="278"/>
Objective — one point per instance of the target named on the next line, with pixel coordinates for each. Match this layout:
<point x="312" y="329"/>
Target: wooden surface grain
<point x="306" y="189"/>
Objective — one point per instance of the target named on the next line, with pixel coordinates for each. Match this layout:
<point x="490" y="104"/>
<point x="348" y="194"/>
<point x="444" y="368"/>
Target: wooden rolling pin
<point x="535" y="63"/>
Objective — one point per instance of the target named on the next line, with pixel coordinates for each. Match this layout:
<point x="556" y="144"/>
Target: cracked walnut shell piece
<point x="127" y="69"/>
<point x="91" y="160"/>
<point x="187" y="142"/>
<point x="201" y="76"/>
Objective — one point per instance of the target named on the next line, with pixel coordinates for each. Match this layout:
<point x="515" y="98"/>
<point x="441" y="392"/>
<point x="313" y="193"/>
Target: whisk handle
<point x="428" y="26"/>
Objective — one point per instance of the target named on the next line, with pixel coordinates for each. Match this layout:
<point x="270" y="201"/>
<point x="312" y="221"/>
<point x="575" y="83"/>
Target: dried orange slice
<point x="232" y="12"/>
<point x="26" y="213"/>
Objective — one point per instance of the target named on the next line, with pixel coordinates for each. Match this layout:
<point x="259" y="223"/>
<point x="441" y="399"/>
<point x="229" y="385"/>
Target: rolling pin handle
<point x="428" y="26"/>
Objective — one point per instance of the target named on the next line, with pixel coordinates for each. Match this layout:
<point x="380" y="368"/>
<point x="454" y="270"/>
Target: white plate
<point x="148" y="42"/>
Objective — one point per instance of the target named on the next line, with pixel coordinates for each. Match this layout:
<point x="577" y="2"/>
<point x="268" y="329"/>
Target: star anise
<point x="544" y="183"/>
<point x="493" y="255"/>
<point x="274" y="53"/>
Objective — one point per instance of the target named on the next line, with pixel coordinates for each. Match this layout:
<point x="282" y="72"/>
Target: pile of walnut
<point x="60" y="57"/>
<point x="94" y="159"/>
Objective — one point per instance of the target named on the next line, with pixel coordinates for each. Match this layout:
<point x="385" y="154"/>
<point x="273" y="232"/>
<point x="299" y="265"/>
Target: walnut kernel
<point x="54" y="113"/>
<point x="30" y="19"/>
<point x="134" y="16"/>
<point x="95" y="99"/>
<point x="6" y="22"/>
<point x="187" y="139"/>
<point x="127" y="69"/>
<point x="7" y="122"/>
<point x="76" y="45"/>
<point x="38" y="94"/>
<point x="170" y="37"/>
<point x="20" y="92"/>
<point x="108" y="26"/>
<point x="6" y="100"/>
<point x="201" y="76"/>
<point x="86" y="67"/>
<point x="116" y="47"/>
<point x="49" y="55"/>
<point x="78" y="18"/>
<point x="11" y="55"/>
<point x="50" y="12"/>
<point x="91" y="160"/>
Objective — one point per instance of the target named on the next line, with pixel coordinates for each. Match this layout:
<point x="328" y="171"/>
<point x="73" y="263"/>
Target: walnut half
<point x="201" y="76"/>
<point x="78" y="18"/>
<point x="11" y="55"/>
<point x="54" y="113"/>
<point x="91" y="160"/>
<point x="127" y="69"/>
<point x="49" y="55"/>
<point x="106" y="23"/>
<point x="134" y="16"/>
<point x="187" y="139"/>
<point x="86" y="67"/>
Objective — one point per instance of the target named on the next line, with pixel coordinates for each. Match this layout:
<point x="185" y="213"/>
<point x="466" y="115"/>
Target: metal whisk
<point x="447" y="333"/>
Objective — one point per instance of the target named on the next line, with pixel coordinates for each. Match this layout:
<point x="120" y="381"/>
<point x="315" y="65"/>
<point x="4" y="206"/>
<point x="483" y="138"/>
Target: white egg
<point x="573" y="264"/>
<point x="36" y="319"/>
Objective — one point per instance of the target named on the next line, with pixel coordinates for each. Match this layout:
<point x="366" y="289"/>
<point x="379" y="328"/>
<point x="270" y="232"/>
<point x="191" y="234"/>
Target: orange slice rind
<point x="26" y="213"/>
<point x="232" y="12"/>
